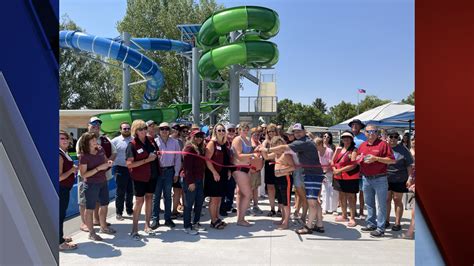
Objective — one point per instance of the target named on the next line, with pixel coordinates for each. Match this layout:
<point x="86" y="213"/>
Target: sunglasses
<point x="63" y="138"/>
<point x="125" y="128"/>
<point x="231" y="130"/>
<point x="374" y="131"/>
<point x="142" y="128"/>
<point x="220" y="130"/>
<point x="95" y="124"/>
<point x="199" y="136"/>
<point x="164" y="128"/>
<point x="393" y="137"/>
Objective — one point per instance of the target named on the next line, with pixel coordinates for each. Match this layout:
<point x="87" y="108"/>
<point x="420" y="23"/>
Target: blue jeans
<point x="195" y="198"/>
<point x="124" y="189"/>
<point x="63" y="203"/>
<point x="163" y="186"/>
<point x="376" y="187"/>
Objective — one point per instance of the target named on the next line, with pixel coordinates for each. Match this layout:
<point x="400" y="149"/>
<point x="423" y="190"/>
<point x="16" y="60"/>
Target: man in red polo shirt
<point x="377" y="155"/>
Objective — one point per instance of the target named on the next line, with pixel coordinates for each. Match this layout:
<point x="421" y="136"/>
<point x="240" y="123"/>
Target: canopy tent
<point x="389" y="115"/>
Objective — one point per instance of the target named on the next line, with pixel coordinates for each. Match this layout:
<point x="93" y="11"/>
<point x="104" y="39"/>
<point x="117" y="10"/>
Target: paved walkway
<point x="261" y="244"/>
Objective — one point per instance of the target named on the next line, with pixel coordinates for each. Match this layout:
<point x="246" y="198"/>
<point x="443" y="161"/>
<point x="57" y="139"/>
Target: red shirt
<point x="378" y="148"/>
<point x="193" y="166"/>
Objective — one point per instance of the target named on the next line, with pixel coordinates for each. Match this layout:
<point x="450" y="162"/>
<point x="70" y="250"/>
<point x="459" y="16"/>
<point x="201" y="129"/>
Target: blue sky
<point x="328" y="48"/>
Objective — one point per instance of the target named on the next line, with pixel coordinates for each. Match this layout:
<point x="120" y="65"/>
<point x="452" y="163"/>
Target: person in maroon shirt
<point x="92" y="166"/>
<point x="377" y="155"/>
<point x="143" y="165"/>
<point x="192" y="182"/>
<point x="67" y="178"/>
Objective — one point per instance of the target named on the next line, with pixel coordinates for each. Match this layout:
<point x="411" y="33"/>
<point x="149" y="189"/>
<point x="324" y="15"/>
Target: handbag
<point x="352" y="172"/>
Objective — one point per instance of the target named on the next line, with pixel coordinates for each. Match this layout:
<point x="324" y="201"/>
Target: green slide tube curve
<point x="263" y="23"/>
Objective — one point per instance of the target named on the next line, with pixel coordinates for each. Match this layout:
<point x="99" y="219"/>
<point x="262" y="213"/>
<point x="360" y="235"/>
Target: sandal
<point x="244" y="224"/>
<point x="84" y="229"/>
<point x="218" y="224"/>
<point x="98" y="224"/>
<point x="67" y="246"/>
<point x="108" y="230"/>
<point x="351" y="224"/>
<point x="150" y="232"/>
<point x="135" y="236"/>
<point x="67" y="239"/>
<point x="341" y="219"/>
<point x="95" y="237"/>
<point x="319" y="229"/>
<point x="304" y="231"/>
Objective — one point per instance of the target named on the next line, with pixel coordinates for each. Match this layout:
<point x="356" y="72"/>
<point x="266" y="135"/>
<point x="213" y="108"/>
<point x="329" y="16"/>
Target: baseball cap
<point x="175" y="126"/>
<point x="230" y="126"/>
<point x="150" y="122"/>
<point x="196" y="132"/>
<point x="264" y="125"/>
<point x="94" y="119"/>
<point x="297" y="126"/>
<point x="392" y="132"/>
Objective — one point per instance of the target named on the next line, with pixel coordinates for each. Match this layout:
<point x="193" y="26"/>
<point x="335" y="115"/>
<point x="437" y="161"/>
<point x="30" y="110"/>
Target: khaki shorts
<point x="255" y="180"/>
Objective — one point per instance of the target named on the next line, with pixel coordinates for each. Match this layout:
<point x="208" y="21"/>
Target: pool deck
<point x="260" y="244"/>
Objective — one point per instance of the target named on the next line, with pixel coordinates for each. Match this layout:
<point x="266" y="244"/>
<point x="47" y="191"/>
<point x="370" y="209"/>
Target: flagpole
<point x="358" y="102"/>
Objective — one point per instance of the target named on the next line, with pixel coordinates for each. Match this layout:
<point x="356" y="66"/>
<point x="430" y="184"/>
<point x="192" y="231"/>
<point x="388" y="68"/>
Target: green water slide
<point x="112" y="120"/>
<point x="257" y="23"/>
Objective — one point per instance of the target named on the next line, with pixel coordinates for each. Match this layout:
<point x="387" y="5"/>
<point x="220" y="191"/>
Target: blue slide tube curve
<point x="115" y="50"/>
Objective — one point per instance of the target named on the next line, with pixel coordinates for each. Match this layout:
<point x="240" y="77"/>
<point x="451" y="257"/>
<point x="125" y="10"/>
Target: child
<point x="284" y="165"/>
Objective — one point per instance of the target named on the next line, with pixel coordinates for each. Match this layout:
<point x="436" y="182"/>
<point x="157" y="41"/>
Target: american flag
<point x="361" y="91"/>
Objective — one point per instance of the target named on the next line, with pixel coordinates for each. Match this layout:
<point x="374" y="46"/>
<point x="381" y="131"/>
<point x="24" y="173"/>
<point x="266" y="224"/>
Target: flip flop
<point x="108" y="231"/>
<point x="150" y="232"/>
<point x="67" y="246"/>
<point x="351" y="224"/>
<point x="135" y="236"/>
<point x="246" y="224"/>
<point x="95" y="237"/>
<point x="341" y="219"/>
<point x="67" y="239"/>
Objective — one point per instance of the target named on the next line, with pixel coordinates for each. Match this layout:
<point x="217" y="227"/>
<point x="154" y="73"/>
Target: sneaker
<point x="376" y="233"/>
<point x="119" y="217"/>
<point x="387" y="224"/>
<point x="190" y="231"/>
<point x="248" y="212"/>
<point x="170" y="223"/>
<point x="368" y="229"/>
<point x="257" y="210"/>
<point x="278" y="213"/>
<point x="396" y="227"/>
<point x="198" y="227"/>
<point x="234" y="210"/>
<point x="155" y="224"/>
<point x="130" y="213"/>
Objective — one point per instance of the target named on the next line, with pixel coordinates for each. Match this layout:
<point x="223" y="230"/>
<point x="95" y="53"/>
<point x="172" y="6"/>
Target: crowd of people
<point x="183" y="165"/>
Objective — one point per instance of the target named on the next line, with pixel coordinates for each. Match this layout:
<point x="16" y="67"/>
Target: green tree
<point x="342" y="111"/>
<point x="371" y="102"/>
<point x="410" y="99"/>
<point x="159" y="19"/>
<point x="84" y="83"/>
<point x="320" y="105"/>
<point x="289" y="113"/>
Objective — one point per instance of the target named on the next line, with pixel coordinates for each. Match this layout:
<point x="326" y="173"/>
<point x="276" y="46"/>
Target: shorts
<point x="96" y="192"/>
<point x="298" y="179"/>
<point x="283" y="189"/>
<point x="141" y="188"/>
<point x="270" y="173"/>
<point x="346" y="186"/>
<point x="399" y="187"/>
<point x="255" y="180"/>
<point x="312" y="184"/>
<point x="80" y="193"/>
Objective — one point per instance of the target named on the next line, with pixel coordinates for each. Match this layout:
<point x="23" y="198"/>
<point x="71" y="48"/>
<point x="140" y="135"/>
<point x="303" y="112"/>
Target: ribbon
<point x="208" y="160"/>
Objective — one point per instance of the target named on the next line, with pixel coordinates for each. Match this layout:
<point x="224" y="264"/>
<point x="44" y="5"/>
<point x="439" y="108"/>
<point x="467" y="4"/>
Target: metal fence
<point x="258" y="104"/>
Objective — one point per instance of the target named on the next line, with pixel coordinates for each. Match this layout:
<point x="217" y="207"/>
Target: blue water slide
<point x="118" y="51"/>
<point x="157" y="44"/>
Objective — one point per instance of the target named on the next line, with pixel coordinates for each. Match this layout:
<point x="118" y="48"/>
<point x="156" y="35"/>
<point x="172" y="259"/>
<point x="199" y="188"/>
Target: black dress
<point x="211" y="187"/>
